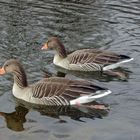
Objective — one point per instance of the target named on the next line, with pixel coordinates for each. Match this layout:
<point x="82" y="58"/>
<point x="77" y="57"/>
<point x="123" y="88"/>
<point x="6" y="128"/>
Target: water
<point x="105" y="24"/>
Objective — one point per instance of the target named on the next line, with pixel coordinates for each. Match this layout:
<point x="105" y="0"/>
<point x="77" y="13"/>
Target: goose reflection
<point x="91" y="111"/>
<point x="15" y="120"/>
<point x="106" y="76"/>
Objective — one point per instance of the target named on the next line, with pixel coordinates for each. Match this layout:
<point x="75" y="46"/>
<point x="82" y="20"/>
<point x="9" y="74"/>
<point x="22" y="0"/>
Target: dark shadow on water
<point x="100" y="76"/>
<point x="15" y="120"/>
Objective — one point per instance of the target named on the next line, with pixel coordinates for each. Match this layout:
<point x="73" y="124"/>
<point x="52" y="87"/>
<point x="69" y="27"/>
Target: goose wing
<point x="94" y="59"/>
<point x="61" y="91"/>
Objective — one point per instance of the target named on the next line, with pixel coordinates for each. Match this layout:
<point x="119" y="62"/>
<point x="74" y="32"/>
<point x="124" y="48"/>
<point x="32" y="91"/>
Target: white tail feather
<point x="113" y="66"/>
<point x="90" y="98"/>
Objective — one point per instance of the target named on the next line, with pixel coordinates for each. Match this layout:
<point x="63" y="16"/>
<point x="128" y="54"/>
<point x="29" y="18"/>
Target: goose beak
<point x="44" y="47"/>
<point x="2" y="71"/>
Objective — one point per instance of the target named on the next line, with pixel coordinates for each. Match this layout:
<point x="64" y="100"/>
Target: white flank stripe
<point x="101" y="95"/>
<point x="113" y="66"/>
<point x="89" y="98"/>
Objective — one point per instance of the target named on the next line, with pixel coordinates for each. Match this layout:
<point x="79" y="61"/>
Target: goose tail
<point x="91" y="97"/>
<point x="115" y="65"/>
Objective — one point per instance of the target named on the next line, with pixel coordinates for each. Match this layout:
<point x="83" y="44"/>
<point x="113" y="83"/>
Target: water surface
<point x="104" y="24"/>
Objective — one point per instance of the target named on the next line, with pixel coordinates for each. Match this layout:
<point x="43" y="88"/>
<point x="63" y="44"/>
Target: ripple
<point x="105" y="24"/>
<point x="61" y="135"/>
<point x="40" y="131"/>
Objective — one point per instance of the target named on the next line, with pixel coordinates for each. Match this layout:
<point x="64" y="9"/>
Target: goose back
<point x="93" y="60"/>
<point x="60" y="91"/>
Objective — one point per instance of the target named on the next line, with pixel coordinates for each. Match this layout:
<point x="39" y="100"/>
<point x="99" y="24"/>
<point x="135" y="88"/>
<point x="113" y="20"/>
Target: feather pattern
<point x="62" y="93"/>
<point x="85" y="59"/>
<point x="93" y="60"/>
<point x="53" y="91"/>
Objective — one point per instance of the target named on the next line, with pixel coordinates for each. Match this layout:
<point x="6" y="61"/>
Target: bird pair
<point x="57" y="91"/>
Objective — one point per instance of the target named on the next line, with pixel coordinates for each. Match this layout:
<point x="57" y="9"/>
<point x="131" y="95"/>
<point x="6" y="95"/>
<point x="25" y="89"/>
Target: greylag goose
<point x="85" y="59"/>
<point x="53" y="90"/>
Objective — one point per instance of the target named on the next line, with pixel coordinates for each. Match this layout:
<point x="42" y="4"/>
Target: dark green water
<point x="106" y="24"/>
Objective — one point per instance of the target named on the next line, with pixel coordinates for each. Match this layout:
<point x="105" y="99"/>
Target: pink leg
<point x="92" y="106"/>
<point x="121" y="75"/>
<point x="98" y="107"/>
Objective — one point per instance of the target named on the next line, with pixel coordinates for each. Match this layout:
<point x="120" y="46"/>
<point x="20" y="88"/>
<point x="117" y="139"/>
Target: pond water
<point x="104" y="24"/>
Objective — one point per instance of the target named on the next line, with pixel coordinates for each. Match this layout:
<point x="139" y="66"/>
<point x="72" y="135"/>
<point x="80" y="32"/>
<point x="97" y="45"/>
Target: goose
<point x="85" y="59"/>
<point x="55" y="91"/>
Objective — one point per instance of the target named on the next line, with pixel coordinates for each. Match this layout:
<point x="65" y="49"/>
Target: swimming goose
<point x="53" y="90"/>
<point x="85" y="59"/>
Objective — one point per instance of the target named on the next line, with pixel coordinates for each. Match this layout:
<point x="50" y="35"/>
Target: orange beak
<point x="2" y="71"/>
<point x="44" y="47"/>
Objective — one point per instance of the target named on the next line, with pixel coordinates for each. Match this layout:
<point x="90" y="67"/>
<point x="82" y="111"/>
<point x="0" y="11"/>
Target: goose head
<point x="54" y="43"/>
<point x="10" y="66"/>
<point x="13" y="66"/>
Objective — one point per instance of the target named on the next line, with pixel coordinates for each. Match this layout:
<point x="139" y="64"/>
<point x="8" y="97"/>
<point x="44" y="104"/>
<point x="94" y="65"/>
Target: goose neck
<point x="61" y="51"/>
<point x="20" y="78"/>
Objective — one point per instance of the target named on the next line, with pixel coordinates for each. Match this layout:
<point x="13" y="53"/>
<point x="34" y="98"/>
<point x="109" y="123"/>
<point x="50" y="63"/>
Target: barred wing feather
<point x="64" y="92"/>
<point x="92" y="59"/>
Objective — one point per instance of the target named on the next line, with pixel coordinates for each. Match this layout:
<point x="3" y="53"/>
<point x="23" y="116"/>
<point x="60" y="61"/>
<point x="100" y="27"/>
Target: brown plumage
<point x="53" y="90"/>
<point x="85" y="59"/>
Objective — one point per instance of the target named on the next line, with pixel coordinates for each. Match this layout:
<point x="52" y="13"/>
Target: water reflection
<point x="107" y="24"/>
<point x="97" y="75"/>
<point x="15" y="120"/>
